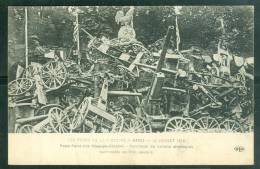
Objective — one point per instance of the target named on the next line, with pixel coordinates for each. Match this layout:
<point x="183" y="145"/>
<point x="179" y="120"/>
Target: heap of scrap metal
<point x="124" y="87"/>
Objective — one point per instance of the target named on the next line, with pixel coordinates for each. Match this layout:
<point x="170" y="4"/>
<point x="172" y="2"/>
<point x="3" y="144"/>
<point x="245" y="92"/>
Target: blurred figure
<point x="36" y="51"/>
<point x="124" y="17"/>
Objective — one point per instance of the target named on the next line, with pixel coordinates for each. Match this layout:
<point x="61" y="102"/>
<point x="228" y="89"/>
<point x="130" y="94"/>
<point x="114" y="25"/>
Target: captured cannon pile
<point x="124" y="87"/>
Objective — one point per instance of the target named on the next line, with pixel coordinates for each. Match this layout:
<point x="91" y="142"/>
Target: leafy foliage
<point x="199" y="25"/>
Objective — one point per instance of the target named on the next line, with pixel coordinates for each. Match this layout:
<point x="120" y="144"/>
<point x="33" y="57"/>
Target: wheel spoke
<point x="59" y="82"/>
<point x="177" y="123"/>
<point x="228" y="125"/>
<point x="60" y="74"/>
<point x="59" y="129"/>
<point x="181" y="125"/>
<point x="54" y="83"/>
<point x="173" y="125"/>
<point x="211" y="124"/>
<point x="203" y="125"/>
<point x="21" y="83"/>
<point x="172" y="129"/>
<point x="56" y="126"/>
<point x="233" y="126"/>
<point x="62" y="129"/>
<point x="51" y="66"/>
<point x="48" y="69"/>
<point x="207" y="123"/>
<point x="127" y="126"/>
<point x="51" y="81"/>
<point x="64" y="117"/>
<point x="17" y="91"/>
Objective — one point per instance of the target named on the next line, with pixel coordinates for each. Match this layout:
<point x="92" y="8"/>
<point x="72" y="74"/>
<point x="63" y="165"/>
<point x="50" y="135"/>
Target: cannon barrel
<point x="124" y="93"/>
<point x="31" y="119"/>
<point x="159" y="76"/>
<point x="164" y="49"/>
<point x="153" y="96"/>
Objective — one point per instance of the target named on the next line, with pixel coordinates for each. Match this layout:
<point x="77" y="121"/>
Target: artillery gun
<point x="151" y="105"/>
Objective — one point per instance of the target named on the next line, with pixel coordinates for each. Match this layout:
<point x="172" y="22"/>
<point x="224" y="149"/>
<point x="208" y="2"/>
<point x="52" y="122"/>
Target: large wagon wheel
<point x="59" y="120"/>
<point x="53" y="75"/>
<point x="133" y="125"/>
<point x="231" y="126"/>
<point x="27" y="128"/>
<point x="20" y="86"/>
<point x="177" y="124"/>
<point x="206" y="124"/>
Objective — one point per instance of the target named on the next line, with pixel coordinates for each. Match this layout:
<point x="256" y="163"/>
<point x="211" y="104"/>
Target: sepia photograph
<point x="181" y="76"/>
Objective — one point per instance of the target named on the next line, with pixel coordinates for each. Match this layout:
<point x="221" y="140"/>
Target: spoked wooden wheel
<point x="20" y="86"/>
<point x="27" y="128"/>
<point x="133" y="125"/>
<point x="53" y="75"/>
<point x="206" y="124"/>
<point x="59" y="120"/>
<point x="231" y="126"/>
<point x="177" y="124"/>
<point x="118" y="126"/>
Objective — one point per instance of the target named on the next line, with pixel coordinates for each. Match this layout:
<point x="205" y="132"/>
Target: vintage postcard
<point x="131" y="85"/>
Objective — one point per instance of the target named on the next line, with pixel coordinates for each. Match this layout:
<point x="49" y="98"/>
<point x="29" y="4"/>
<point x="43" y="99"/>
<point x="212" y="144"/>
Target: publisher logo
<point x="239" y="148"/>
